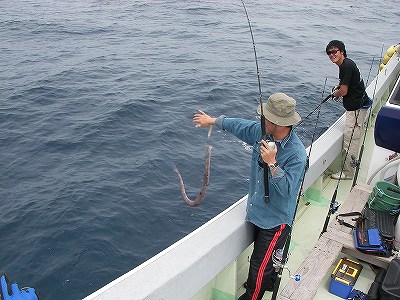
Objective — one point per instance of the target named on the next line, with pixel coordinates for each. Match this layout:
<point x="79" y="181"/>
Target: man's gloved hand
<point x="336" y="98"/>
<point x="13" y="292"/>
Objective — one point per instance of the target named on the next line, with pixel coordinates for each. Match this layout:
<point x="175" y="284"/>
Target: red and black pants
<point x="262" y="274"/>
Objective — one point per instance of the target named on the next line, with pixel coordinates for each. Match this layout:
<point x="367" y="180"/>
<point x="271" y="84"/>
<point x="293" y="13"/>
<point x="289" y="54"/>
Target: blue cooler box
<point x="344" y="276"/>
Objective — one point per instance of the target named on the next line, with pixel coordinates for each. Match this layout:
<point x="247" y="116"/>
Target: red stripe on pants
<point x="264" y="263"/>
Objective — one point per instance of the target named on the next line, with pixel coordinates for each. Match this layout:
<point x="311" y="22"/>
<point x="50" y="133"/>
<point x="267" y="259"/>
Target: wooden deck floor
<point x="338" y="239"/>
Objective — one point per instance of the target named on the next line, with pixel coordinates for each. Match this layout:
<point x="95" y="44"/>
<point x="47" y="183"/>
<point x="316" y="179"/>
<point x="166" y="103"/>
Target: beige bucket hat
<point x="280" y="109"/>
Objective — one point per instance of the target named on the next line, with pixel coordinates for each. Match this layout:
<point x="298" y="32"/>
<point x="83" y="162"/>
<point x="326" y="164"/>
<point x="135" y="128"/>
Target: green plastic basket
<point x="385" y="196"/>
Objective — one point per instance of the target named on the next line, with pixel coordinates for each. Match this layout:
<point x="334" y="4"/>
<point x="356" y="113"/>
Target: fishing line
<point x="299" y="195"/>
<point x="263" y="131"/>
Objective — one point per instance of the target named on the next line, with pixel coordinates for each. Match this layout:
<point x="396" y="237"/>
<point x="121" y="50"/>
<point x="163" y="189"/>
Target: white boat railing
<point x="185" y="267"/>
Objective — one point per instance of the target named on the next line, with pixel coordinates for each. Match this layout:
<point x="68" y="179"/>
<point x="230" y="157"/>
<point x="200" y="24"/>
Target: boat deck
<point x="314" y="257"/>
<point x="334" y="244"/>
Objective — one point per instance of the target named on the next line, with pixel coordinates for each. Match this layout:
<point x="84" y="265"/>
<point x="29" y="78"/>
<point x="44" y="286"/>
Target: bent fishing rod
<point x="263" y="131"/>
<point x="281" y="265"/>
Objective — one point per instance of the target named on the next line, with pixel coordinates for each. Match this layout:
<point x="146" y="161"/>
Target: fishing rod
<point x="334" y="205"/>
<point x="281" y="264"/>
<point x="317" y="108"/>
<point x="358" y="161"/>
<point x="263" y="131"/>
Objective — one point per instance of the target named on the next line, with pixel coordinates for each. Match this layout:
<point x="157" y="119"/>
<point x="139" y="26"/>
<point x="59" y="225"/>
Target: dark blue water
<point x="96" y="105"/>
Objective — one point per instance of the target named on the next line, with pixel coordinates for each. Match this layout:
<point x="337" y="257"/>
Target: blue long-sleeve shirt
<point x="284" y="185"/>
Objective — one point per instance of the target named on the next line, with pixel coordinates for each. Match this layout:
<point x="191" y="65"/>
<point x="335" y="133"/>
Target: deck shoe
<point x="340" y="175"/>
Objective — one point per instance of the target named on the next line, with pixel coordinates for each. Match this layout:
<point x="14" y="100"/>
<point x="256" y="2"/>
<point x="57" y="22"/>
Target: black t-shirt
<point x="350" y="75"/>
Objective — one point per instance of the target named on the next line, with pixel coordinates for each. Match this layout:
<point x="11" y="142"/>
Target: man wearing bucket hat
<point x="286" y="159"/>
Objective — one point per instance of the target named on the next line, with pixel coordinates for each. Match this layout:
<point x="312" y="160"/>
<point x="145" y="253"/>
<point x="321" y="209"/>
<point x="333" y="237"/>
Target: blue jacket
<point x="283" y="186"/>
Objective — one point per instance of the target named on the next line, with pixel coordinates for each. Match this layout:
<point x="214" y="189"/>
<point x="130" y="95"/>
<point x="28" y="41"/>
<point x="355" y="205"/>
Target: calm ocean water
<point x="96" y="105"/>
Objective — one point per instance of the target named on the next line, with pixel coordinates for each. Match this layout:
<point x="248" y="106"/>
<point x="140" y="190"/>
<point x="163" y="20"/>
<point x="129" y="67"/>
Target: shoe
<point x="270" y="288"/>
<point x="340" y="175"/>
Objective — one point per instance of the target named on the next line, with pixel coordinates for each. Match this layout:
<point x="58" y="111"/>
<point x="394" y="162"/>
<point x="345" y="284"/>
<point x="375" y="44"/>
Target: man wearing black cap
<point x="286" y="160"/>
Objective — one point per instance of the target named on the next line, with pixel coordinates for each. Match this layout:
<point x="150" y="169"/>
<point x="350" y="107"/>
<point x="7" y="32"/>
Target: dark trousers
<point x="262" y="274"/>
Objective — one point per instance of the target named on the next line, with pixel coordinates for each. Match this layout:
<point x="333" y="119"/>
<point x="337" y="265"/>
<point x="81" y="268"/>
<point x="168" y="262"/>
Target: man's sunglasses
<point x="332" y="51"/>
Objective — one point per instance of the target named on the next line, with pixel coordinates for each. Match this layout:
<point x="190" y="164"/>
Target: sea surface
<point x="96" y="102"/>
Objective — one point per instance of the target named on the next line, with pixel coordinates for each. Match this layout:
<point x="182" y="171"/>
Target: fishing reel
<point x="278" y="263"/>
<point x="271" y="144"/>
<point x="354" y="162"/>
<point x="334" y="207"/>
<point x="336" y="98"/>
